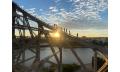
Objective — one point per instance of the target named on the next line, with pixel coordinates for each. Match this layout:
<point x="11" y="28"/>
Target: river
<point x="68" y="58"/>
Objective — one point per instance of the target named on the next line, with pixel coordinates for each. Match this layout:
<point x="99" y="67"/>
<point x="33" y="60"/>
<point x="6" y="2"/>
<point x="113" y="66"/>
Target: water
<point x="85" y="54"/>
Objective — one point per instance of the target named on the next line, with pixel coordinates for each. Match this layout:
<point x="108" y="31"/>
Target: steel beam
<point x="79" y="60"/>
<point x="95" y="61"/>
<point x="56" y="57"/>
<point x="60" y="49"/>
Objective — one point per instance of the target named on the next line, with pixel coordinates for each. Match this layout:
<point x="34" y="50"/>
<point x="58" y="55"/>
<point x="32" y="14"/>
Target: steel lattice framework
<point x="31" y="37"/>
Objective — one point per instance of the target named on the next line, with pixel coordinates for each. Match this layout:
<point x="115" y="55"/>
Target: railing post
<point x="60" y="49"/>
<point x="66" y="30"/>
<point x="69" y="32"/>
<point x="95" y="61"/>
<point x="77" y="34"/>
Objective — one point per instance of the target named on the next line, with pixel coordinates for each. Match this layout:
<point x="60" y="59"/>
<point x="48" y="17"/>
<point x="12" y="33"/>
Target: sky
<point x="85" y="17"/>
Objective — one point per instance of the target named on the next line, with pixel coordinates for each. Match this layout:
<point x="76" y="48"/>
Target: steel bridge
<point x="29" y="32"/>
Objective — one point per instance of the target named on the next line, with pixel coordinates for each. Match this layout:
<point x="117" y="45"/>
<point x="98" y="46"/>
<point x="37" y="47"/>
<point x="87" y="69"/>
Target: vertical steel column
<point x="79" y="60"/>
<point x="66" y="30"/>
<point x="13" y="32"/>
<point x="13" y="20"/>
<point x="60" y="49"/>
<point x="38" y="69"/>
<point x="23" y="55"/>
<point x="38" y="53"/>
<point x="56" y="57"/>
<point x="31" y="33"/>
<point x="24" y="25"/>
<point x="18" y="57"/>
<point x="38" y="43"/>
<point x="95" y="61"/>
<point x="77" y="34"/>
<point x="69" y="32"/>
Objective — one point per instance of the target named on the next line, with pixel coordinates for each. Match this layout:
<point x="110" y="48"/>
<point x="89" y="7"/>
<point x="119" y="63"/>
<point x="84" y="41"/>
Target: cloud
<point x="85" y="14"/>
<point x="53" y="9"/>
<point x="57" y="1"/>
<point x="21" y="6"/>
<point x="40" y="9"/>
<point x="32" y="11"/>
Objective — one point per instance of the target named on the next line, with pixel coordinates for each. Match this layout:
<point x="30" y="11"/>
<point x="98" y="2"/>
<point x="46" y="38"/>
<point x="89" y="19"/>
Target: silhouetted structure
<point x="34" y="41"/>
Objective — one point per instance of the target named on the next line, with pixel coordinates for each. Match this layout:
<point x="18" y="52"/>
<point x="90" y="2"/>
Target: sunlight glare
<point x="56" y="35"/>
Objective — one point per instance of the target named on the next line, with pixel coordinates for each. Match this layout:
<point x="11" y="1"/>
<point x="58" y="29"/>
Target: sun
<point x="56" y="35"/>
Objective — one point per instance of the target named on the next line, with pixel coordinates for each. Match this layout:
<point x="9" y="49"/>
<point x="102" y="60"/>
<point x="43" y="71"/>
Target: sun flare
<point x="56" y="35"/>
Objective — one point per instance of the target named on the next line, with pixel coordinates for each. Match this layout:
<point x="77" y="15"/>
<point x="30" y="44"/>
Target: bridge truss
<point x="26" y="36"/>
